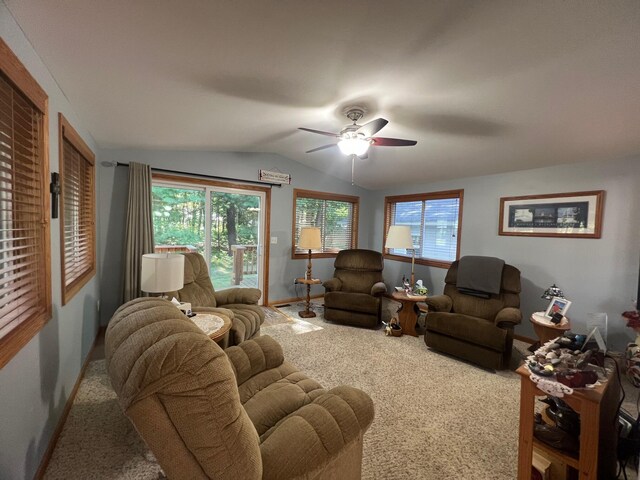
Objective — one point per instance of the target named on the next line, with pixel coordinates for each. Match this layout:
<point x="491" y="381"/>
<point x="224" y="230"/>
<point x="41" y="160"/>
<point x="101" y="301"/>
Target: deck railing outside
<point x="245" y="261"/>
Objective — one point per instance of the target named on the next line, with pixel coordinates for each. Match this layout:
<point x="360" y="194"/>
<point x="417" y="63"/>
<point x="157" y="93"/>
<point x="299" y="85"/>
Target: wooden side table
<point x="547" y="330"/>
<point x="597" y="408"/>
<point x="212" y="326"/>
<point x="407" y="314"/>
<point x="307" y="312"/>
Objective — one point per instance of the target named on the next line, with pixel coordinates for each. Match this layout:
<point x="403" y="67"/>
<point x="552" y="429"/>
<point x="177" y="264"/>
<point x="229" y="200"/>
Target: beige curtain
<point x="139" y="229"/>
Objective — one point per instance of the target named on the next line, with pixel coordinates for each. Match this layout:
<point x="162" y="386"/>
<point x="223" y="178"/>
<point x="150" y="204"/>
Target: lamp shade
<point x="399" y="236"/>
<point x="552" y="291"/>
<point x="162" y="272"/>
<point x="310" y="239"/>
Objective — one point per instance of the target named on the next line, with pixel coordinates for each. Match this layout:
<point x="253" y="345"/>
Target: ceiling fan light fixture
<point x="354" y="146"/>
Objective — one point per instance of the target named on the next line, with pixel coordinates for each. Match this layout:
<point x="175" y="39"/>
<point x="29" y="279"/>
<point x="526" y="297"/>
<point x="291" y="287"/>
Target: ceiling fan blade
<point x="321" y="148"/>
<point x="392" y="142"/>
<point x="320" y="132"/>
<point x="372" y="127"/>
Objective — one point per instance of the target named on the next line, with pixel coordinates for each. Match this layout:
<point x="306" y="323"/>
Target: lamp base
<point x="307" y="314"/>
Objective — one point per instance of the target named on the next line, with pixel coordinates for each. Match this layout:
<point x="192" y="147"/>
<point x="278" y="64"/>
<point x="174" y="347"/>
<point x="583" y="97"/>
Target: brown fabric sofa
<point x="240" y="413"/>
<point x="354" y="295"/>
<point x="475" y="329"/>
<point x="240" y="305"/>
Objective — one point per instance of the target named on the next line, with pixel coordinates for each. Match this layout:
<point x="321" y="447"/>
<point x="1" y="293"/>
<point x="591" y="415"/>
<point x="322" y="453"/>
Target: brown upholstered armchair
<point x="240" y="413"/>
<point x="239" y="304"/>
<point x="476" y="329"/>
<point x="354" y="295"/>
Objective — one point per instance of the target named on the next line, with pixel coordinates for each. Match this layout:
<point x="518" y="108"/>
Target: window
<point x="25" y="279"/>
<point x="435" y="220"/>
<point x="225" y="222"/>
<point x="335" y="215"/>
<point x="77" y="211"/>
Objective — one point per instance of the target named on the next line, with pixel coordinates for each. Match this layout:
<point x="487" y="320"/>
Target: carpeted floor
<point x="436" y="417"/>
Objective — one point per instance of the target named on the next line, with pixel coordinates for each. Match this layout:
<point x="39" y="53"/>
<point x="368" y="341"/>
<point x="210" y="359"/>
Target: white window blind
<point x="433" y="221"/>
<point x="23" y="269"/>
<point x="335" y="218"/>
<point x="78" y="212"/>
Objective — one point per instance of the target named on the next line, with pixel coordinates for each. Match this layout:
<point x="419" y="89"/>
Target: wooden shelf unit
<point x="598" y="434"/>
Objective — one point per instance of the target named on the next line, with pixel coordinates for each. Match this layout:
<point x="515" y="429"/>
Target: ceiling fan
<point x="356" y="139"/>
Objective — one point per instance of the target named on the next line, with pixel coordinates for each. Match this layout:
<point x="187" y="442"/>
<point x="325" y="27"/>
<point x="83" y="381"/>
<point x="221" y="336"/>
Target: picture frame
<point x="557" y="305"/>
<point x="569" y="215"/>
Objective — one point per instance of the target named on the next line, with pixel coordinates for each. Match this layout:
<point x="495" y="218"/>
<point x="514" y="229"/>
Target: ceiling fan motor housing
<point x="354" y="113"/>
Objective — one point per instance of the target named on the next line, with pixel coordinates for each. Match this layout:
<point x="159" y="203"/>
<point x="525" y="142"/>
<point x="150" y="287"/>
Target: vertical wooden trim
<point x="267" y="247"/>
<point x="459" y="239"/>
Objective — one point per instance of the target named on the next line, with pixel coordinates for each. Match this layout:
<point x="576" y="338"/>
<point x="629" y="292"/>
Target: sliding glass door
<point x="225" y="225"/>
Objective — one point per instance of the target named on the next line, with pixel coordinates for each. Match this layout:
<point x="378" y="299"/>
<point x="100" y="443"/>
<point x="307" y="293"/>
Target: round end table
<point x="216" y="327"/>
<point x="547" y="330"/>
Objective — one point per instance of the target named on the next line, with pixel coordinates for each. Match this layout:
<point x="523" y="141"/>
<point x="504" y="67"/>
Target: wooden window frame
<point x="67" y="133"/>
<point x="419" y="197"/>
<point x="27" y="328"/>
<point x="354" y="200"/>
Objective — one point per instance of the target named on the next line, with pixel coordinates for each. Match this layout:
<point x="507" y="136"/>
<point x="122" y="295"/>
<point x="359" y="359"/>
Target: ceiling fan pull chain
<point x="353" y="166"/>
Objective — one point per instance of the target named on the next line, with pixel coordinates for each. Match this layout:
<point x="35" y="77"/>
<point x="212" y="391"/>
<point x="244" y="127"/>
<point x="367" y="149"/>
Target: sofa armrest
<point x="252" y="357"/>
<point x="439" y="303"/>
<point x="320" y="431"/>
<point x="333" y="285"/>
<point x="221" y="312"/>
<point x="249" y="296"/>
<point x="508" y="317"/>
<point x="378" y="289"/>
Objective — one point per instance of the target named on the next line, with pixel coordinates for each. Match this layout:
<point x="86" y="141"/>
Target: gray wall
<point x="597" y="275"/>
<point x="282" y="269"/>
<point x="35" y="384"/>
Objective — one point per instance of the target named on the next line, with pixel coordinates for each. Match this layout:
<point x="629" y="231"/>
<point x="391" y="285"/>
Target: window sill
<point x="420" y="261"/>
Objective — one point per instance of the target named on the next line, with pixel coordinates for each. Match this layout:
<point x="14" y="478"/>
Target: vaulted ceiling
<point x="483" y="86"/>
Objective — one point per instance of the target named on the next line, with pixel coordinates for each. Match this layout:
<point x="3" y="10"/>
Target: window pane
<point x="178" y="219"/>
<point x="441" y="229"/>
<point x="407" y="213"/>
<point x="433" y="218"/>
<point x="335" y="219"/>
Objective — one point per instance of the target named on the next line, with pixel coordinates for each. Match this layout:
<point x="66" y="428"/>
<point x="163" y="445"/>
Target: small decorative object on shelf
<point x="420" y="289"/>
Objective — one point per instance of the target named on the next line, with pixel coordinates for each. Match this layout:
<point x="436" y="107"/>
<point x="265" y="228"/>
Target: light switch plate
<point x="274" y="240"/>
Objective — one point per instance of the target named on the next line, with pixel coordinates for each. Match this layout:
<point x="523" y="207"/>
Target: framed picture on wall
<point x="572" y="215"/>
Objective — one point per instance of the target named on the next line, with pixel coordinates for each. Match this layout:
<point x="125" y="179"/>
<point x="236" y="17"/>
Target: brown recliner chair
<point x="240" y="413"/>
<point x="354" y="295"/>
<point x="476" y="329"/>
<point x="239" y="304"/>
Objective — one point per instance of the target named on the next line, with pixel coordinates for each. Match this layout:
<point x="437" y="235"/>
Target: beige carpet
<point x="436" y="417"/>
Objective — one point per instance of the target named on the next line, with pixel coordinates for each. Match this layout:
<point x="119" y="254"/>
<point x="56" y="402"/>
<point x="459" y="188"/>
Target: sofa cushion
<point x="473" y="330"/>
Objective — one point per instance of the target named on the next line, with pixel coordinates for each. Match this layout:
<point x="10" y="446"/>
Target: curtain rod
<point x="202" y="175"/>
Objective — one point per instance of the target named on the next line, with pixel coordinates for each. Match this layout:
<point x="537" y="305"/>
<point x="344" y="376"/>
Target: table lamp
<point x="162" y="272"/>
<point x="399" y="236"/>
<point x="309" y="240"/>
<point x="552" y="291"/>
